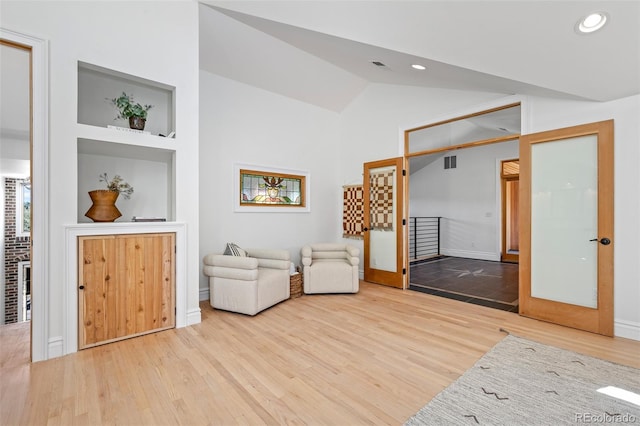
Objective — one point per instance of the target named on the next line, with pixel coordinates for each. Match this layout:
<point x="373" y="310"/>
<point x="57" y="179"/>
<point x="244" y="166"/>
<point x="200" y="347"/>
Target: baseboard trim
<point x="194" y="316"/>
<point x="468" y="254"/>
<point x="204" y="294"/>
<point x="626" y="329"/>
<point x="55" y="347"/>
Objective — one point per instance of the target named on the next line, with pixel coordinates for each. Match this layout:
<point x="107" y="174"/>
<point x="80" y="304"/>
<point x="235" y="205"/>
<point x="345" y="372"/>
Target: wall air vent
<point x="450" y="162"/>
<point x="378" y="64"/>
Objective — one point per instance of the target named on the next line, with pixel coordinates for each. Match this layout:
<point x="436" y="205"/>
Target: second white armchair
<point x="330" y="268"/>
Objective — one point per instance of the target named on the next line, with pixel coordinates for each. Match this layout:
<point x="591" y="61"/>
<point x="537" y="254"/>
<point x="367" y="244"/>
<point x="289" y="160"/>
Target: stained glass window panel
<point x="271" y="189"/>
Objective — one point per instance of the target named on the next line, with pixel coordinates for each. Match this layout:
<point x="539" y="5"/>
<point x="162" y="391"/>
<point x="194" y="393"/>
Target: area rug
<point x="520" y="382"/>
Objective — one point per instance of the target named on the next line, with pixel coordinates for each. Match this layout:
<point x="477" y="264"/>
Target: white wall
<point x="14" y="92"/>
<point x="372" y="126"/>
<point x="165" y="49"/>
<point x="242" y="124"/>
<point x="150" y="196"/>
<point x="467" y="199"/>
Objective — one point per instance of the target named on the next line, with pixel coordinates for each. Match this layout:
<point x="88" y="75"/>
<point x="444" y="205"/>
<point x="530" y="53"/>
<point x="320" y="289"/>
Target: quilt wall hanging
<point x="352" y="211"/>
<point x="381" y="204"/>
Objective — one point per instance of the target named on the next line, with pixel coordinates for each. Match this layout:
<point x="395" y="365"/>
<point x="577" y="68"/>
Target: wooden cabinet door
<point x="126" y="288"/>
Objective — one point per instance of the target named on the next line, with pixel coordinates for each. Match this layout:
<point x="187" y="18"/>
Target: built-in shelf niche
<point x="98" y="85"/>
<point x="150" y="170"/>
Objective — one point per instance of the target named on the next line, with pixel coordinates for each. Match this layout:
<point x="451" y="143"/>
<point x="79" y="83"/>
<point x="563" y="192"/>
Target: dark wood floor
<point x="481" y="282"/>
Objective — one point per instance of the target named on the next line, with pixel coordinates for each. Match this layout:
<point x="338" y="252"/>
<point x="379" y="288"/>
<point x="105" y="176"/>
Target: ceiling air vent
<point x="378" y="64"/>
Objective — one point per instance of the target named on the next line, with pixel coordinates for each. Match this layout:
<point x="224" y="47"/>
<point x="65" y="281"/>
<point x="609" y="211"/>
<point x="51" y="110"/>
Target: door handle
<point x="603" y="241"/>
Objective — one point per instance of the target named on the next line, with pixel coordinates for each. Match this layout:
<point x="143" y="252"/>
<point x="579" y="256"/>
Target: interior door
<point x="566" y="231"/>
<point x="383" y="222"/>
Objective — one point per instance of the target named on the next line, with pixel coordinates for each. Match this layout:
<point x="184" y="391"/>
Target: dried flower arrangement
<point x="117" y="184"/>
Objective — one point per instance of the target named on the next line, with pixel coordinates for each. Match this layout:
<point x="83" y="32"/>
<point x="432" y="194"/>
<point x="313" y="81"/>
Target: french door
<point x="566" y="227"/>
<point x="383" y="222"/>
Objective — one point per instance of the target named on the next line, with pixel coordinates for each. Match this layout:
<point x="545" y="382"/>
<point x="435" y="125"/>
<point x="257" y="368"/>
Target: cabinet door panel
<point x="97" y="257"/>
<point x="127" y="286"/>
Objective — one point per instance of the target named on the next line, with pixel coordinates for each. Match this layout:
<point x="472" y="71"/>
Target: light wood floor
<point x="371" y="358"/>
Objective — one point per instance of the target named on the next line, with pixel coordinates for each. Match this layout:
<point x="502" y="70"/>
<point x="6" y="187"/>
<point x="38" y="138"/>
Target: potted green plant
<point x="104" y="207"/>
<point x="135" y="112"/>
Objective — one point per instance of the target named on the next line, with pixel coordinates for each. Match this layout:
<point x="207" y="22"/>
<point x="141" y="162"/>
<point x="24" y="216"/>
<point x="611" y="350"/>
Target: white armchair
<point x="330" y="268"/>
<point x="249" y="284"/>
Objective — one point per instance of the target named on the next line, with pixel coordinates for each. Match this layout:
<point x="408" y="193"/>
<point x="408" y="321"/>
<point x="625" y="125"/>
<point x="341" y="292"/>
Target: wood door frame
<point x="41" y="346"/>
<point x="19" y="181"/>
<point x="598" y="320"/>
<point x="393" y="279"/>
<point x="490" y="141"/>
<point x="500" y="105"/>
<point x="504" y="256"/>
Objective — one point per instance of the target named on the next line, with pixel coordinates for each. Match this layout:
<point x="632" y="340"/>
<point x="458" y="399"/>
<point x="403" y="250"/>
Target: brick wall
<point x="17" y="249"/>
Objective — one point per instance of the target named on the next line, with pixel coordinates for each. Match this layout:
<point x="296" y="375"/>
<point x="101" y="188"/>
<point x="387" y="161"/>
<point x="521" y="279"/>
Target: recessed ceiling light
<point x="418" y="67"/>
<point x="592" y="22"/>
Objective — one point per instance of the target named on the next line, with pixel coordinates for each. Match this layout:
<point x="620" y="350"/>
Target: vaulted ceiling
<point x="321" y="52"/>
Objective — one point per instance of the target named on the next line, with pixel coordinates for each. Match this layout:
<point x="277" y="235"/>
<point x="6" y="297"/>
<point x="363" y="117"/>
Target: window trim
<point x="20" y="187"/>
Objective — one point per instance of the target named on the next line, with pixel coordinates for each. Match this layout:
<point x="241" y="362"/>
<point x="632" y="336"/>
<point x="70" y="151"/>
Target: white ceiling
<point x="320" y="52"/>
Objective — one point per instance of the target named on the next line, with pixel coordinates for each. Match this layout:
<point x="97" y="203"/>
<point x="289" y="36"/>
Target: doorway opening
<point x="458" y="189"/>
<point x="510" y="189"/>
<point x="15" y="183"/>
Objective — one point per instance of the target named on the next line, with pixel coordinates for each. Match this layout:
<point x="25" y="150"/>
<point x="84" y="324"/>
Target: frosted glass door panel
<point x="383" y="253"/>
<point x="564" y="217"/>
